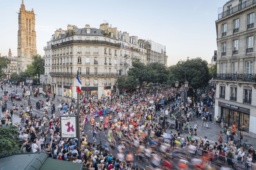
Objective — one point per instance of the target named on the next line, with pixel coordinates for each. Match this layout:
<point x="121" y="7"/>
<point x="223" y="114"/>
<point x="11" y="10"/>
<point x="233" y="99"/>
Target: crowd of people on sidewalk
<point x="132" y="132"/>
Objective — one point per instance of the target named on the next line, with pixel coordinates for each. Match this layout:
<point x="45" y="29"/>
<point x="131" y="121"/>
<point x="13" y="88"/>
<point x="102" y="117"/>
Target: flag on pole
<point x="78" y="84"/>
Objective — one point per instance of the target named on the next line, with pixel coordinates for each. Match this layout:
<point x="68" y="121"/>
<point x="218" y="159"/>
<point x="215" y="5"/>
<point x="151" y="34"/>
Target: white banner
<point x="68" y="127"/>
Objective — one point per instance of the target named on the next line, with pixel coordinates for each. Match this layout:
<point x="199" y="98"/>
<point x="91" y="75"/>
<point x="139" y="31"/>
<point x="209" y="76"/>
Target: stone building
<point x="12" y="67"/>
<point x="236" y="66"/>
<point x="100" y="55"/>
<point x="26" y="38"/>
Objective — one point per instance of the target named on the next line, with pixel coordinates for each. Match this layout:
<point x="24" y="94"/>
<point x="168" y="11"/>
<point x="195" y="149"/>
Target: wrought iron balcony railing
<point x="222" y="96"/>
<point x="248" y="101"/>
<point x="236" y="77"/>
<point x="237" y="8"/>
<point x="233" y="98"/>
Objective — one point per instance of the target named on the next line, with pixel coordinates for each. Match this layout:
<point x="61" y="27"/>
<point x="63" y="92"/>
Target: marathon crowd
<point x="137" y="132"/>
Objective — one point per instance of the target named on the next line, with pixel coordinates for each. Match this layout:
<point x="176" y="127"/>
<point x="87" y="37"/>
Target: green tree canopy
<point x="9" y="142"/>
<point x="37" y="66"/>
<point x="195" y="71"/>
<point x="4" y="61"/>
<point x="213" y="70"/>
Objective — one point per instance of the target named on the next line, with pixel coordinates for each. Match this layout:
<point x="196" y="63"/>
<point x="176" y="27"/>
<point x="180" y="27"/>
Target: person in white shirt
<point x="34" y="147"/>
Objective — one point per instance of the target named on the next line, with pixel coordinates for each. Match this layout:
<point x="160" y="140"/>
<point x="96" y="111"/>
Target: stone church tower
<point x="26" y="38"/>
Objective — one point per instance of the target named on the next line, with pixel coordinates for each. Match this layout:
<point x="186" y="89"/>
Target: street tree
<point x="9" y="142"/>
<point x="4" y="61"/>
<point x="36" y="68"/>
<point x="213" y="70"/>
<point x="195" y="71"/>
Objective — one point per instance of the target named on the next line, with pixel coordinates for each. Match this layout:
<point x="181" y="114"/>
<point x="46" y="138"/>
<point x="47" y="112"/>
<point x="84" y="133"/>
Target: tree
<point x="213" y="70"/>
<point x="9" y="142"/>
<point x="4" y="61"/>
<point x="195" y="71"/>
<point x="36" y="68"/>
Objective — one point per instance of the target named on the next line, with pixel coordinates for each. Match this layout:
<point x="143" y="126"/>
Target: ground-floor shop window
<point x="241" y="119"/>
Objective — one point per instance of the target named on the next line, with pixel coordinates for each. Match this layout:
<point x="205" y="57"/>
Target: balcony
<point x="247" y="101"/>
<point x="110" y="64"/>
<point x="250" y="25"/>
<point x="235" y="52"/>
<point x="235" y="30"/>
<point x="66" y="43"/>
<point x="222" y="96"/>
<point x="79" y="62"/>
<point x="236" y="77"/>
<point x="236" y="9"/>
<point x="224" y="34"/>
<point x="233" y="98"/>
<point x="249" y="50"/>
<point x="223" y="53"/>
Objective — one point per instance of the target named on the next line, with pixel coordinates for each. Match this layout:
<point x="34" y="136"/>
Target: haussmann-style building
<point x="236" y="65"/>
<point x="100" y="55"/>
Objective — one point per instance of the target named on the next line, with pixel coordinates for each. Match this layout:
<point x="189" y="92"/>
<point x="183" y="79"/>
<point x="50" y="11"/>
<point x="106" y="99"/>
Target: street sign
<point x="68" y="127"/>
<point x="5" y="98"/>
<point x="28" y="93"/>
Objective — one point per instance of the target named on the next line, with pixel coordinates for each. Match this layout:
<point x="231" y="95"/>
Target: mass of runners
<point x="145" y="129"/>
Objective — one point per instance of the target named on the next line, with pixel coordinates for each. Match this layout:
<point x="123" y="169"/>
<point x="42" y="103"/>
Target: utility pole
<point x="77" y="115"/>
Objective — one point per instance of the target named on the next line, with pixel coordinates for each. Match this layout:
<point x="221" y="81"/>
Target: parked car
<point x="17" y="97"/>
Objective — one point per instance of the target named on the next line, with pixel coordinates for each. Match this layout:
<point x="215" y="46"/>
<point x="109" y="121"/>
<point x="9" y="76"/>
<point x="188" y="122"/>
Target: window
<point x="96" y="50"/>
<point x="87" y="70"/>
<point x="109" y="70"/>
<point x="223" y="49"/>
<point x="247" y="96"/>
<point x="109" y="61"/>
<point x="121" y="53"/>
<point x="115" y="52"/>
<point x="79" y="60"/>
<point x="235" y="46"/>
<point x="88" y="30"/>
<point x="87" y="60"/>
<point x="233" y="92"/>
<point x="248" y="66"/>
<point x="87" y="82"/>
<point x="234" y="70"/>
<point x="105" y="50"/>
<point x="87" y="50"/>
<point x="105" y="62"/>
<point x="236" y="25"/>
<point x="250" y="44"/>
<point x="79" y="70"/>
<point x="95" y="70"/>
<point x="109" y="51"/>
<point x="95" y="82"/>
<point x="96" y="61"/>
<point x="222" y="92"/>
<point x="224" y="29"/>
<point x="79" y="50"/>
<point x="250" y="20"/>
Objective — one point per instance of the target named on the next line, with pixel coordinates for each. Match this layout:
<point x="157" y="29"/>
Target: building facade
<point x="100" y="55"/>
<point x="12" y="66"/>
<point x="26" y="38"/>
<point x="236" y="64"/>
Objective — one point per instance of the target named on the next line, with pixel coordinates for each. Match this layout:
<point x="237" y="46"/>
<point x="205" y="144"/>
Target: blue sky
<point x="185" y="27"/>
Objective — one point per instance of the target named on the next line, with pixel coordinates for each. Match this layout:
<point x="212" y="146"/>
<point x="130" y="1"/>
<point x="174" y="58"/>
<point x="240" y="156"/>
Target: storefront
<point x="90" y="92"/>
<point x="239" y="115"/>
<point x="107" y="91"/>
<point x="68" y="91"/>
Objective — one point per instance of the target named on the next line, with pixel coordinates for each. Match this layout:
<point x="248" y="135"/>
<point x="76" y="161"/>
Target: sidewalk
<point x="212" y="133"/>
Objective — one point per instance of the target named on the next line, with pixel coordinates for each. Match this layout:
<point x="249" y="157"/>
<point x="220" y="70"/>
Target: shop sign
<point x="68" y="127"/>
<point x="233" y="107"/>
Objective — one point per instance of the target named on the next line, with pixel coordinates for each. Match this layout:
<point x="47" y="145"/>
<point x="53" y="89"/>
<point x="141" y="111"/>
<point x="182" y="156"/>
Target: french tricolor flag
<point x="78" y="84"/>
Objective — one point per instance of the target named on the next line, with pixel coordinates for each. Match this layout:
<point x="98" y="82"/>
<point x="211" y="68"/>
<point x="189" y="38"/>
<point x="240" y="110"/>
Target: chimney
<point x="87" y="26"/>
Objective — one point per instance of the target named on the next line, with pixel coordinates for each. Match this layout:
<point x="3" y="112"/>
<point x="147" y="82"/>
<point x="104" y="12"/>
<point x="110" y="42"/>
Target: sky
<point x="185" y="27"/>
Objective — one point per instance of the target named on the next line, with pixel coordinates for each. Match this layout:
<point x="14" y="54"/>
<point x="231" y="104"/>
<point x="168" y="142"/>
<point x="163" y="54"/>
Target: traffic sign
<point x="5" y="98"/>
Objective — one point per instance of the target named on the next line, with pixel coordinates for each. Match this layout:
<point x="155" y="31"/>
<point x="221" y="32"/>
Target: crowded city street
<point x="146" y="129"/>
